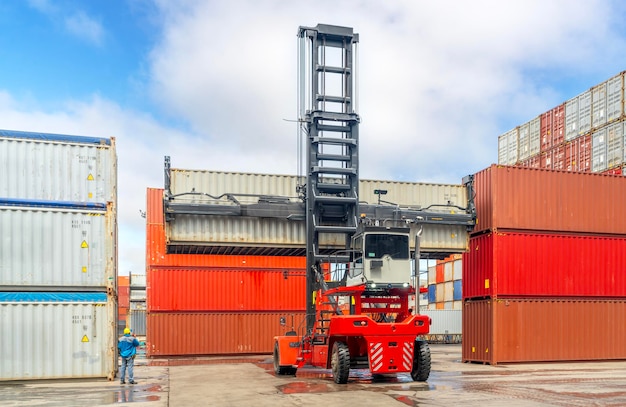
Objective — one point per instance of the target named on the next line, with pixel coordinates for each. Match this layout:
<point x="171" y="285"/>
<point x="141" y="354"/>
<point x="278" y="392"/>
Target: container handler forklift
<point x="359" y="311"/>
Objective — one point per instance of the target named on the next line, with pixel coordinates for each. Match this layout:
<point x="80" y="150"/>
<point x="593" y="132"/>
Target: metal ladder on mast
<point x="326" y="99"/>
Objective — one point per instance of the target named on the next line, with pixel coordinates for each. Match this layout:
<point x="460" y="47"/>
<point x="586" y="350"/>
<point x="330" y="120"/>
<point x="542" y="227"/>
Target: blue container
<point x="458" y="290"/>
<point x="432" y="293"/>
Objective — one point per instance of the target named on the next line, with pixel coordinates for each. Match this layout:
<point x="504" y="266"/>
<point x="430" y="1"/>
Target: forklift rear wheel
<point x="340" y="362"/>
<point x="421" y="361"/>
<point x="278" y="369"/>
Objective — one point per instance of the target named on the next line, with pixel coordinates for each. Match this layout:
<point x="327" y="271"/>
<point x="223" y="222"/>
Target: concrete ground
<point x="250" y="381"/>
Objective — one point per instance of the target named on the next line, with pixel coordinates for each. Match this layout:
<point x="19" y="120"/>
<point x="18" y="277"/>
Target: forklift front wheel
<point x="278" y="369"/>
<point x="421" y="362"/>
<point x="340" y="362"/>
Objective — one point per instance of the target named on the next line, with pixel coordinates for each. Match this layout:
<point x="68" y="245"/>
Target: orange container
<point x="543" y="330"/>
<point x="180" y="334"/>
<point x="439" y="276"/>
<point x="536" y="199"/>
<point x="224" y="289"/>
<point x="123" y="296"/>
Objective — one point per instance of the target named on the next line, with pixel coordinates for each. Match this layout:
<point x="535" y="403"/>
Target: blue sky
<point x="210" y="83"/>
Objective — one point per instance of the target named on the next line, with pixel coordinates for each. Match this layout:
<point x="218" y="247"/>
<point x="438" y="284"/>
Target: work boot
<point x="132" y="382"/>
<point x="122" y="382"/>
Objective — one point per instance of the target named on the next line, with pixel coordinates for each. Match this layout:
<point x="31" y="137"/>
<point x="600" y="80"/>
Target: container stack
<point x="123" y="303"/>
<point x="544" y="277"/>
<point x="137" y="313"/>
<point x="58" y="257"/>
<point x="584" y="134"/>
<point x="444" y="284"/>
<point x="204" y="304"/>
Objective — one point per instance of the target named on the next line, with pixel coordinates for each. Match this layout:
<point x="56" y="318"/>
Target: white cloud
<point x="82" y="26"/>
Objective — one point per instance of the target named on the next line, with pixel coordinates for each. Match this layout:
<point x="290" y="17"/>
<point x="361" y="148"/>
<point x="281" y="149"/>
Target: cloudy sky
<point x="213" y="83"/>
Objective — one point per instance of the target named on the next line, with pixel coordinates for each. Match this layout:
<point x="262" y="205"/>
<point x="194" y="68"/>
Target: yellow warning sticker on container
<point x="90" y="177"/>
<point x="84" y="269"/>
<point x="90" y="195"/>
<point x="85" y="339"/>
<point x="84" y="245"/>
<point x="486" y="283"/>
<point x="473" y="349"/>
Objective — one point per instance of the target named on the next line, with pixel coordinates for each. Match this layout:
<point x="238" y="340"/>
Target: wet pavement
<point x="247" y="381"/>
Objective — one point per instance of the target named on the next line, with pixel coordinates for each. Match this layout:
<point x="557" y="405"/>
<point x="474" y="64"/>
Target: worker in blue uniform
<point x="127" y="346"/>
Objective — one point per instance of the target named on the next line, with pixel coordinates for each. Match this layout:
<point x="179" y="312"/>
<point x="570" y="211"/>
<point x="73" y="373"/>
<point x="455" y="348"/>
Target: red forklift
<point x="359" y="267"/>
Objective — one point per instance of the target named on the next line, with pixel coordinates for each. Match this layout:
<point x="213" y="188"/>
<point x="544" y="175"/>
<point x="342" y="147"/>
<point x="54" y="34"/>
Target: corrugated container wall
<point x="445" y="322"/>
<point x="541" y="330"/>
<point x="536" y="199"/>
<point x="223" y="289"/>
<point x="57" y="247"/>
<point x="36" y="166"/>
<point x="57" y="335"/>
<point x="175" y="334"/>
<point x="518" y="264"/>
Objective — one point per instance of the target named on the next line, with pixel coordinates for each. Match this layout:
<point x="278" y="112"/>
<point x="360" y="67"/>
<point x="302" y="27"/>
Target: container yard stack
<point x="58" y="300"/>
<point x="543" y="279"/>
<point x="584" y="134"/>
<point x="209" y="304"/>
<point x="137" y="313"/>
<point x="444" y="284"/>
<point x="123" y="303"/>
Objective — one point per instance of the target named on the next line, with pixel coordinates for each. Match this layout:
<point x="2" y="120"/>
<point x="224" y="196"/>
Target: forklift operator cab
<point x="380" y="255"/>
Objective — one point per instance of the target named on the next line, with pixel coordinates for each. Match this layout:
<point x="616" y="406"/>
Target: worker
<point x="127" y="346"/>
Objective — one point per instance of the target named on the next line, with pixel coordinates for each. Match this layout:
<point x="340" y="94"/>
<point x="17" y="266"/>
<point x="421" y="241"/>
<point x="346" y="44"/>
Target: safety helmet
<point x="126" y="331"/>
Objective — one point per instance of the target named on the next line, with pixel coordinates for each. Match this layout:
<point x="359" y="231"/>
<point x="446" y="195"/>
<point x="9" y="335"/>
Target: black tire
<point x="340" y="363"/>
<point x="278" y="369"/>
<point x="421" y="362"/>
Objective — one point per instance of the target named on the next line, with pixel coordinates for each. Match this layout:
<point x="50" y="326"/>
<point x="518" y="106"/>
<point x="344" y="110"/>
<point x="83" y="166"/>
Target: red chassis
<point x="376" y="329"/>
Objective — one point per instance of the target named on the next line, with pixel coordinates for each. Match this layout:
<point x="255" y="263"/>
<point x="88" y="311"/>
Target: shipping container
<point x="535" y="136"/>
<point x="615" y="144"/>
<point x="137" y="322"/>
<point x="432" y="294"/>
<point x="598" y="105"/>
<point x="571" y="119"/>
<point x="445" y="322"/>
<point x="230" y="333"/>
<point x="45" y="335"/>
<point x="54" y="167"/>
<point x="551" y="265"/>
<point x="57" y="247"/>
<point x="224" y="289"/>
<point x="552" y="127"/>
<point x="599" y="150"/>
<point x="537" y="199"/>
<point x="578" y="154"/>
<point x="584" y="113"/>
<point x="543" y="330"/>
<point x="615" y="171"/>
<point x="615" y="98"/>
<point x="432" y="275"/>
<point x="123" y="296"/>
<point x="458" y="290"/>
<point x="524" y="142"/>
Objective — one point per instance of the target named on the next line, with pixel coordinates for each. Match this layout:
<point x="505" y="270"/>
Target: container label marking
<point x="85" y="339"/>
<point x="84" y="245"/>
<point x="84" y="269"/>
<point x="90" y="177"/>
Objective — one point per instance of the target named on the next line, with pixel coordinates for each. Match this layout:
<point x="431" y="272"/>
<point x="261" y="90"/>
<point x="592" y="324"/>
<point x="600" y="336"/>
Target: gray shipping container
<point x="253" y="231"/>
<point x="598" y="150"/>
<point x="138" y="321"/>
<point x="53" y="167"/>
<point x="57" y="335"/>
<point x="70" y="249"/>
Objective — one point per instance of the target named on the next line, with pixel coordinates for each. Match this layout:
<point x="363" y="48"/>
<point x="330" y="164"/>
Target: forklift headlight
<point x="405" y="285"/>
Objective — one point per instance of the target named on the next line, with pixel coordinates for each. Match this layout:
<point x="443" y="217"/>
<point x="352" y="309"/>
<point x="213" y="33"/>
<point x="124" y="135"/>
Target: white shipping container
<point x="137" y="280"/>
<point x="448" y="290"/>
<point x="524" y="141"/>
<point x="615" y="144"/>
<point x="584" y="113"/>
<point x="52" y="167"/>
<point x="458" y="304"/>
<point x="503" y="149"/>
<point x="448" y="271"/>
<point x="432" y="275"/>
<point x="439" y="292"/>
<point x="46" y="247"/>
<point x="57" y="336"/>
<point x="445" y="322"/>
<point x="138" y="321"/>
<point x="598" y="150"/>
<point x="457" y="270"/>
<point x="571" y="119"/>
<point x="512" y="146"/>
<point x="598" y="105"/>
<point x="535" y="136"/>
<point x="137" y="295"/>
<point x="615" y="98"/>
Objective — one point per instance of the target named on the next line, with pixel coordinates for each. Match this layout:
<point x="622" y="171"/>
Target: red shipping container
<point x="545" y="160"/>
<point x="154" y="206"/>
<point x="439" y="276"/>
<point x="514" y="264"/>
<point x="614" y="171"/>
<point x="536" y="199"/>
<point x="558" y="158"/>
<point x="552" y="128"/>
<point x="534" y="161"/>
<point x="578" y="154"/>
<point x="543" y="330"/>
<point x="179" y="334"/>
<point x="123" y="296"/>
<point x="189" y="289"/>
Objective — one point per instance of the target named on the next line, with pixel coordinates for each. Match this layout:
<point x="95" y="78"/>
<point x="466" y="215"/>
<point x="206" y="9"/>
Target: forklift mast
<point x="328" y="127"/>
